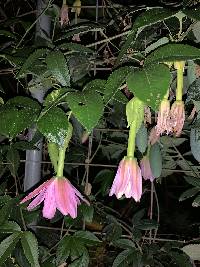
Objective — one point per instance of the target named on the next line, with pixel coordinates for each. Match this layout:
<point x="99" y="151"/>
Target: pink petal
<point x="37" y="200"/>
<point x="36" y="191"/>
<point x="49" y="208"/>
<point x="62" y="195"/>
<point x="137" y="185"/>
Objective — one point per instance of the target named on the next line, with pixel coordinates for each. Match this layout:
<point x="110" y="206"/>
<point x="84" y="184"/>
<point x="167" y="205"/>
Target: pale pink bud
<point x="146" y="169"/>
<point x="64" y="18"/>
<point x="163" y="120"/>
<point x="177" y="117"/>
<point x="128" y="180"/>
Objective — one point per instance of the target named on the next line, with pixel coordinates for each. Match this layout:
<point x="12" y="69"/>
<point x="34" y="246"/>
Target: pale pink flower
<point x="128" y="180"/>
<point x="177" y="117"/>
<point x="153" y="137"/>
<point x="163" y="120"/>
<point x="146" y="169"/>
<point x="76" y="38"/>
<point x="64" y="17"/>
<point x="56" y="193"/>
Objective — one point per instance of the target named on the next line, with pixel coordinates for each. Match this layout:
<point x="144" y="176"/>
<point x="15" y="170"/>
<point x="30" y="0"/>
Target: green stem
<point x="62" y="150"/>
<point x="179" y="90"/>
<point x="131" y="140"/>
<point x="64" y="2"/>
<point x="61" y="160"/>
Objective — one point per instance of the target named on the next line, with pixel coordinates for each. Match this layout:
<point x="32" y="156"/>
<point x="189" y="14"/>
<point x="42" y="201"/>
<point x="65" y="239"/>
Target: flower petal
<point x="36" y="191"/>
<point x="49" y="208"/>
<point x="37" y="200"/>
<point x="62" y="195"/>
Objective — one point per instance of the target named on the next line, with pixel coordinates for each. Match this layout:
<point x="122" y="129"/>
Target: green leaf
<point x="189" y="193"/>
<point x="115" y="80"/>
<point x="83" y="261"/>
<point x="69" y="246"/>
<point x="87" y="238"/>
<point x="104" y="178"/>
<point x="8" y="245"/>
<point x="87" y="107"/>
<point x="147" y="18"/>
<point x="180" y="259"/>
<point x="80" y="28"/>
<point x="9" y="227"/>
<point x="155" y="158"/>
<point x="74" y="47"/>
<point x="13" y="159"/>
<point x="193" y="93"/>
<point x="124" y="243"/>
<point x="127" y="257"/>
<point x="195" y="181"/>
<point x="141" y="138"/>
<point x="30" y="247"/>
<point x="147" y="224"/>
<point x="113" y="231"/>
<point x="173" y="52"/>
<point x="192" y="13"/>
<point x="158" y="43"/>
<point x="57" y="64"/>
<point x="55" y="132"/>
<point x="6" y="210"/>
<point x="196" y="202"/>
<point x="33" y="60"/>
<point x="138" y="216"/>
<point x="96" y="85"/>
<point x="150" y="84"/>
<point x="87" y="212"/>
<point x="4" y="199"/>
<point x="193" y="251"/>
<point x="56" y="97"/>
<point x="17" y="114"/>
<point x="7" y="34"/>
<point x="195" y="143"/>
<point x="152" y="16"/>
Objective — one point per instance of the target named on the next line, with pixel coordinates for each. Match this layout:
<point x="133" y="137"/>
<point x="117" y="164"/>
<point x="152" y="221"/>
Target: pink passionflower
<point x="146" y="169"/>
<point x="177" y="117"/>
<point x="56" y="193"/>
<point x="128" y="180"/>
<point x="163" y="120"/>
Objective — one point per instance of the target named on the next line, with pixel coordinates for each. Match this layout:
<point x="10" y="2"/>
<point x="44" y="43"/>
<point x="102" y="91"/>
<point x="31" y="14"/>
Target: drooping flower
<point x="146" y="169"/>
<point x="57" y="193"/>
<point x="64" y="17"/>
<point x="163" y="120"/>
<point x="153" y="137"/>
<point x="128" y="180"/>
<point x="177" y="115"/>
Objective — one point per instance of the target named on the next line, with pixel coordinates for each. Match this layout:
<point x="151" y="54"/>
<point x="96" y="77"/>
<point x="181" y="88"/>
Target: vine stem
<point x="33" y="24"/>
<point x="179" y="66"/>
<point x="151" y="210"/>
<point x="131" y="140"/>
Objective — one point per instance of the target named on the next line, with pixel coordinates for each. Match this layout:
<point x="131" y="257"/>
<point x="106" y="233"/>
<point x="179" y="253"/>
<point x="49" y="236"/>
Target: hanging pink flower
<point x="163" y="120"/>
<point x="128" y="180"/>
<point x="146" y="169"/>
<point x="64" y="17"/>
<point x="56" y="193"/>
<point x="177" y="117"/>
<point x="153" y="137"/>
